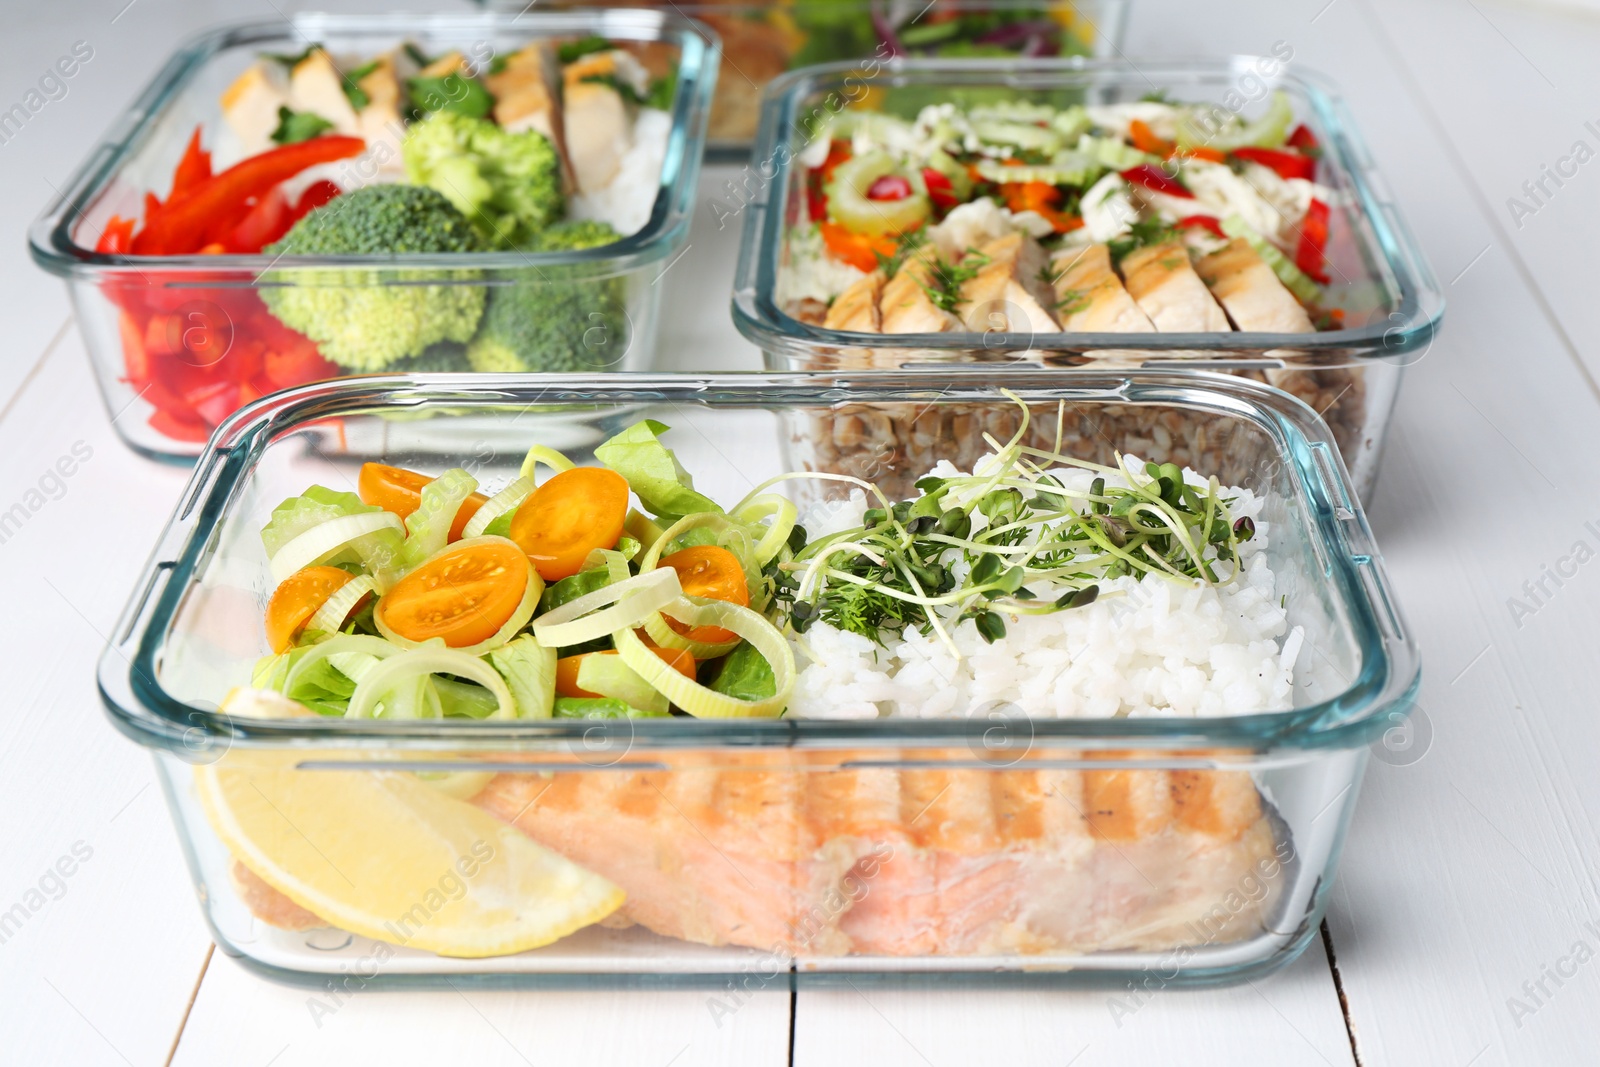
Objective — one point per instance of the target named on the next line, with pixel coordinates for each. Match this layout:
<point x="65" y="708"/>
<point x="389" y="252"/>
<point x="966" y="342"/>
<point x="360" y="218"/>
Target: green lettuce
<point x="300" y="513"/>
<point x="530" y="672"/>
<point x="744" y="674"/>
<point x="653" y="471"/>
<point x="601" y="708"/>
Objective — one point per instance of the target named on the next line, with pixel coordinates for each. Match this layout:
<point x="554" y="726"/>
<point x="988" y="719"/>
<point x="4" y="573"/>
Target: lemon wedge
<point x="386" y="856"/>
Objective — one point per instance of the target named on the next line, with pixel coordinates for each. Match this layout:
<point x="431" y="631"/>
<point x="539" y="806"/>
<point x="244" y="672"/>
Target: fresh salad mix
<point x="1026" y="216"/>
<point x="554" y="147"/>
<point x="619" y="590"/>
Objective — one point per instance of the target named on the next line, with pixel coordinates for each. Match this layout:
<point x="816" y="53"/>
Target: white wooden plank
<point x="241" y="1019"/>
<point x="1281" y="1020"/>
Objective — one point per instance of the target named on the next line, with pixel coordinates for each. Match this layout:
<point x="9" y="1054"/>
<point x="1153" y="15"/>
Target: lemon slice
<point x="386" y="856"/>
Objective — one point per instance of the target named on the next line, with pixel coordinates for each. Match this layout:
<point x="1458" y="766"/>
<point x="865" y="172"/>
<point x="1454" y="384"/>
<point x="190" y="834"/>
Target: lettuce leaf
<point x="744" y="674"/>
<point x="653" y="471"/>
<point x="428" y="528"/>
<point x="530" y="672"/>
<point x="601" y="708"/>
<point x="300" y="513"/>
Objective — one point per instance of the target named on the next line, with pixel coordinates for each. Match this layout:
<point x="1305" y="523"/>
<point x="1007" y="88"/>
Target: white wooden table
<point x="1468" y="878"/>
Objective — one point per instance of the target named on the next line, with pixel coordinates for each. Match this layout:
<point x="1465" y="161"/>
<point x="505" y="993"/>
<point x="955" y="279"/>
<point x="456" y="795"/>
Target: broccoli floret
<point x="360" y="318"/>
<point x="507" y="184"/>
<point x="556" y="318"/>
<point x="447" y="357"/>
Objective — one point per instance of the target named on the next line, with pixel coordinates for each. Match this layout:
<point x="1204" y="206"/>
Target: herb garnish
<point x="584" y="46"/>
<point x="945" y="278"/>
<point x="353" y="92"/>
<point x="909" y="243"/>
<point x="297" y="126"/>
<point x="1141" y="233"/>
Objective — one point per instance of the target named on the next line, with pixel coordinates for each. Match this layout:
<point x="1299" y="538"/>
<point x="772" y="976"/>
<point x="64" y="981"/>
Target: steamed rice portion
<point x="1156" y="646"/>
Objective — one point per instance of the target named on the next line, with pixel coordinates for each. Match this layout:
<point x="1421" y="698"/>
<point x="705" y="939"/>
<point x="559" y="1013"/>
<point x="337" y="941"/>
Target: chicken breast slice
<point x="1010" y="291"/>
<point x="381" y="125"/>
<point x="905" y="304"/>
<point x="250" y="105"/>
<point x="1250" y="292"/>
<point x="1162" y="280"/>
<point x="527" y="96"/>
<point x="856" y="309"/>
<point x="315" y="85"/>
<point x="1091" y="298"/>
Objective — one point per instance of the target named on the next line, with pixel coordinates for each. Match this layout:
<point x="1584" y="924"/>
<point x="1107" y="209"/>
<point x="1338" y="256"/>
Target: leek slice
<point x="695" y="698"/>
<point x="416" y="665"/>
<point x="317" y="654"/>
<point x="784" y="515"/>
<point x="519" y="617"/>
<point x="529" y="669"/>
<point x="428" y="527"/>
<point x="325" y="540"/>
<point x="330" y="618"/>
<point x="619" y="605"/>
<point x="508" y="499"/>
<point x="549" y="457"/>
<point x="609" y="676"/>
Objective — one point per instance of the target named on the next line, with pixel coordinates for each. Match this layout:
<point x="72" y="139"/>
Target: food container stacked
<point x="1005" y="844"/>
<point x="1377" y="311"/>
<point x="762" y="41"/>
<point x="179" y="341"/>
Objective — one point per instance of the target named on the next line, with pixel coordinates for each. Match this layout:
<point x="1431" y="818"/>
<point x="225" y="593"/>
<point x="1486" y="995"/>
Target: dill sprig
<point x="945" y="278"/>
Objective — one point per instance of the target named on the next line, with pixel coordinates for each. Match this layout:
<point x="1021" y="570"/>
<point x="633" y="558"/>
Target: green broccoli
<point x="360" y="318"/>
<point x="507" y="184"/>
<point x="446" y="357"/>
<point x="556" y="318"/>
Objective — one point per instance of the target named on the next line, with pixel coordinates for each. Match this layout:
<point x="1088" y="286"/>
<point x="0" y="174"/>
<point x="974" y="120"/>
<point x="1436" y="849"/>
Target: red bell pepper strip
<point x="1305" y="142"/>
<point x="261" y="225"/>
<point x="117" y="237"/>
<point x="1203" y="222"/>
<point x="1286" y="164"/>
<point x="941" y="190"/>
<point x="315" y="195"/>
<point x="1310" y="256"/>
<point x="1156" y="180"/>
<point x="193" y="169"/>
<point x="185" y="222"/>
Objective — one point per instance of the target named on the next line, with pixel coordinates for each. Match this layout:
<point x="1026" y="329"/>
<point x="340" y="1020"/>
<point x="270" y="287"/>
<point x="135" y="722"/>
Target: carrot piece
<point x="1145" y="139"/>
<point x="856" y="249"/>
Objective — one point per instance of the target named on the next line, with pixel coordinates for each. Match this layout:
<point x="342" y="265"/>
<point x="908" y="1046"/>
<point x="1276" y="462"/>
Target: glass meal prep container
<point x="1381" y="286"/>
<point x="179" y="342"/>
<point x="762" y="41"/>
<point x="993" y="846"/>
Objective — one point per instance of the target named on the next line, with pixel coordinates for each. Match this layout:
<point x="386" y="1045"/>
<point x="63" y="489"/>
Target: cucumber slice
<point x="1067" y="168"/>
<point x="1293" y="278"/>
<point x="1215" y="128"/>
<point x="1113" y="153"/>
<point x="849" y="206"/>
<point x="1018" y="135"/>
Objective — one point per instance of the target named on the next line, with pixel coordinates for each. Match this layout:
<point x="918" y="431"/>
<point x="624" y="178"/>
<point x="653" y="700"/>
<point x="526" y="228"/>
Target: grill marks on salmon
<point x="906" y="862"/>
<point x="1164" y="283"/>
<point x="1250" y="292"/>
<point x="1091" y="298"/>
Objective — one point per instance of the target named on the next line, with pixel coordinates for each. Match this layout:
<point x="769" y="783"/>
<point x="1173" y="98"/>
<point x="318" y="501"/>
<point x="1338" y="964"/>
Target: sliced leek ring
<point x="784" y="516"/>
<point x="695" y="698"/>
<point x="519" y="618"/>
<point x="330" y="618"/>
<point x="419" y="662"/>
<point x="326" y="538"/>
<point x="620" y="605"/>
<point x="376" y="647"/>
<point x="549" y="457"/>
<point x="508" y="499"/>
<point x="665" y="636"/>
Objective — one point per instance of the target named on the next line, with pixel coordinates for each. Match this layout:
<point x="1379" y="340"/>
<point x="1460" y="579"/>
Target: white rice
<point x="1146" y="647"/>
<point x="627" y="202"/>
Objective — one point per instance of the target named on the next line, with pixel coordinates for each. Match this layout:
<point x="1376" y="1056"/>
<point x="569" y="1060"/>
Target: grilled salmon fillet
<point x="856" y="308"/>
<point x="1162" y="280"/>
<point x="1009" y="291"/>
<point x="904" y="303"/>
<point x="1090" y="297"/>
<point x="1250" y="292"/>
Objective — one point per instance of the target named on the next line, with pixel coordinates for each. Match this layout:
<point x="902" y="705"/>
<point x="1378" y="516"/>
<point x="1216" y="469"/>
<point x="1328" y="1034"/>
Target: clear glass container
<point x="179" y="342"/>
<point x="995" y="846"/>
<point x="762" y="41"/>
<point x="1382" y="285"/>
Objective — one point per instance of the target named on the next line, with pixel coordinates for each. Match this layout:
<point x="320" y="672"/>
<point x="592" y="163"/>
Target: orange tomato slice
<point x="400" y="491"/>
<point x="296" y="600"/>
<point x="567" y="668"/>
<point x="713" y="573"/>
<point x="568" y="517"/>
<point x="464" y="594"/>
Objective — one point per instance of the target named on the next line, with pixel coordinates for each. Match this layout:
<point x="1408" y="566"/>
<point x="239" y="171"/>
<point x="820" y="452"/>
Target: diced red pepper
<point x="262" y="224"/>
<point x="134" y="357"/>
<point x="1286" y="164"/>
<point x="187" y="222"/>
<point x="1310" y="256"/>
<point x="889" y="187"/>
<point x="193" y="169"/>
<point x="1203" y="222"/>
<point x="168" y="425"/>
<point x="1152" y="177"/>
<point x="940" y="189"/>
<point x="117" y="237"/>
<point x="152" y="204"/>
<point x="1145" y="140"/>
<point x="1305" y="142"/>
<point x="818" y="177"/>
<point x="315" y="195"/>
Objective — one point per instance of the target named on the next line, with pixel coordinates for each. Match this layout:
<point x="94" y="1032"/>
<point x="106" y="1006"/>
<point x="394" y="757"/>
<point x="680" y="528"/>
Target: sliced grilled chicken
<point x="381" y="124"/>
<point x="1009" y="292"/>
<point x="1250" y="292"/>
<point x="250" y="105"/>
<point x="527" y="96"/>
<point x="1090" y="297"/>
<point x="856" y="309"/>
<point x="315" y="85"/>
<point x="1161" y="278"/>
<point x="905" y="303"/>
<point x="445" y="65"/>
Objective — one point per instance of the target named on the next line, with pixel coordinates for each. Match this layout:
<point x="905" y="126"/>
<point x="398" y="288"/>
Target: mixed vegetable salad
<point x="1039" y="213"/>
<point x="619" y="590"/>
<point x="553" y="147"/>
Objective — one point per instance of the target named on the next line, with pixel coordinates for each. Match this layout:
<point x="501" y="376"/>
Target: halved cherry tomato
<point x="889" y="187"/>
<point x="297" y="598"/>
<point x="1156" y="180"/>
<point x="400" y="491"/>
<point x="568" y="517"/>
<point x="1286" y="164"/>
<point x="567" y="668"/>
<point x="941" y="190"/>
<point x="1145" y="139"/>
<point x="1204" y="222"/>
<point x="714" y="573"/>
<point x="464" y="594"/>
<point x="856" y="249"/>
